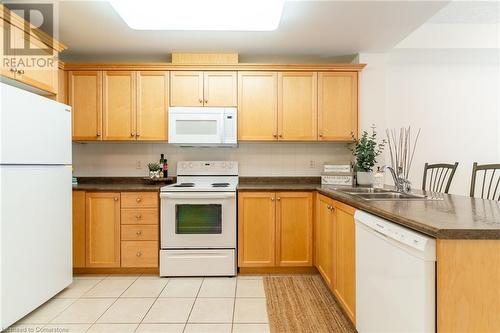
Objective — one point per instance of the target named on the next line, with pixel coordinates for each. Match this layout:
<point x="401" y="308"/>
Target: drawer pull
<point x="138" y="199"/>
<point x="138" y="233"/>
<point x="139" y="254"/>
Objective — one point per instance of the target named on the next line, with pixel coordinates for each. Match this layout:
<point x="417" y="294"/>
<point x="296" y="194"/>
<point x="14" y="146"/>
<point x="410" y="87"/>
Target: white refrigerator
<point x="35" y="201"/>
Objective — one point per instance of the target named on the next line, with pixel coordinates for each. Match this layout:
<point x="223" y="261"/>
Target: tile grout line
<point x="234" y="302"/>
<point x="156" y="299"/>
<point x="102" y="314"/>
<point x="192" y="307"/>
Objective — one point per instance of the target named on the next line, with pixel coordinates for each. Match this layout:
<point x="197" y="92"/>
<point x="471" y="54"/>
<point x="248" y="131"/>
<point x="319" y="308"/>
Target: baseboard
<point x="116" y="270"/>
<point x="277" y="270"/>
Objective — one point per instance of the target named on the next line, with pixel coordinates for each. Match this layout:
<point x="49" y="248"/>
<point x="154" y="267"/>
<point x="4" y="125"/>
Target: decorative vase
<point x="364" y="178"/>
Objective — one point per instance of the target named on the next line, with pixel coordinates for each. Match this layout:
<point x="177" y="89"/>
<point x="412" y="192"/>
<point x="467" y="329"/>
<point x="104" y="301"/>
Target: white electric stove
<point x="198" y="220"/>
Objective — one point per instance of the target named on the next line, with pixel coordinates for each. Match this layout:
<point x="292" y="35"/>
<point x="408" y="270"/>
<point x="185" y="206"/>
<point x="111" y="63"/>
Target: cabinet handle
<point x="116" y="199"/>
<point x="138" y="199"/>
<point x="139" y="254"/>
<point x="138" y="233"/>
<point x="200" y="100"/>
<point x="20" y="71"/>
<point x="139" y="216"/>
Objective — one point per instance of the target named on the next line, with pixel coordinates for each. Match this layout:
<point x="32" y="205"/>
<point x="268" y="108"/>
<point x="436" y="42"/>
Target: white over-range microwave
<point x="202" y="126"/>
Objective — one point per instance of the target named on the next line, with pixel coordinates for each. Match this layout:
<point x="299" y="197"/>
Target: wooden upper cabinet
<point x="337" y="106"/>
<point x="152" y="105"/>
<point x="256" y="229"/>
<point x="85" y="98"/>
<point x="257" y="106"/>
<point x="294" y="239"/>
<point x="220" y="89"/>
<point x="102" y="229"/>
<point x="324" y="238"/>
<point x="119" y="105"/>
<point x="297" y="106"/>
<point x="62" y="86"/>
<point x="186" y="88"/>
<point x="344" y="258"/>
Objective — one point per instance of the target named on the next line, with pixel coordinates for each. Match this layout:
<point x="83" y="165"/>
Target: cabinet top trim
<point x="229" y="67"/>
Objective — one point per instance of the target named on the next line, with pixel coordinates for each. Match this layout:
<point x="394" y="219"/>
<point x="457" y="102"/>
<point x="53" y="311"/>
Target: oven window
<point x="198" y="219"/>
<point x="196" y="127"/>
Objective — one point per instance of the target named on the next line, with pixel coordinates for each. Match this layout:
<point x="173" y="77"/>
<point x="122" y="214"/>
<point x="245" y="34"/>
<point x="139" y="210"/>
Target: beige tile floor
<point x="148" y="303"/>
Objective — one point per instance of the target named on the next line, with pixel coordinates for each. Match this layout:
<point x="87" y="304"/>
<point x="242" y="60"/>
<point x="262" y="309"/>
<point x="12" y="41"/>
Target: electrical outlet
<point x="138" y="164"/>
<point x="312" y="164"/>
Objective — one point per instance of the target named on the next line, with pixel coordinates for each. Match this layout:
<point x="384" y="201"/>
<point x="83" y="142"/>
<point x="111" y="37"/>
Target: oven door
<point x="198" y="220"/>
<point x="194" y="126"/>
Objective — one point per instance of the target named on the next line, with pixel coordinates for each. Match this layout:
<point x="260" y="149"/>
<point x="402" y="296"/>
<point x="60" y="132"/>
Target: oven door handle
<point x="198" y="195"/>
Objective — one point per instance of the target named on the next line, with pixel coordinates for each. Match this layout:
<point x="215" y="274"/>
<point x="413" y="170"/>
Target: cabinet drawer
<point x="139" y="233"/>
<point x="139" y="199"/>
<point x="139" y="216"/>
<point x="139" y="254"/>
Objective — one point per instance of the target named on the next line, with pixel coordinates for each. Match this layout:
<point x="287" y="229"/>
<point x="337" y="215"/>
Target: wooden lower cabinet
<point x="344" y="283"/>
<point x="324" y="238"/>
<point x="335" y="250"/>
<point x="102" y="232"/>
<point x="275" y="229"/>
<point x="115" y="230"/>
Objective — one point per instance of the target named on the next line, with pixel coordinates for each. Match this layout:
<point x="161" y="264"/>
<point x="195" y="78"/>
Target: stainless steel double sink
<point x="377" y="194"/>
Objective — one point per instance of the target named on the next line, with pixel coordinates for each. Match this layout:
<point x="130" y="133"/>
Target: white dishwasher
<point x="395" y="277"/>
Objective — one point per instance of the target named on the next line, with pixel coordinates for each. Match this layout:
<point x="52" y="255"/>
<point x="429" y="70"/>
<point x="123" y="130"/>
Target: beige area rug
<point x="303" y="303"/>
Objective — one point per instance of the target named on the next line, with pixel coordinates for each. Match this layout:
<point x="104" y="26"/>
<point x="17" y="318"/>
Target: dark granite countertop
<point x="454" y="217"/>
<point x="116" y="184"/>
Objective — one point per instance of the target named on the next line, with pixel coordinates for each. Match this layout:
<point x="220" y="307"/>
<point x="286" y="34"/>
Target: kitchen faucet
<point x="402" y="184"/>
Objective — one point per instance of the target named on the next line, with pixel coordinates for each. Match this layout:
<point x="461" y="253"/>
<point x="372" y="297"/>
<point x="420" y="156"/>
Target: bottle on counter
<point x="162" y="159"/>
<point x="378" y="178"/>
<point x="165" y="168"/>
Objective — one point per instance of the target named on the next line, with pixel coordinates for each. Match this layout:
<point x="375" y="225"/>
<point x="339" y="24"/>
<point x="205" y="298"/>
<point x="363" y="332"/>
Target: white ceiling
<point x="313" y="31"/>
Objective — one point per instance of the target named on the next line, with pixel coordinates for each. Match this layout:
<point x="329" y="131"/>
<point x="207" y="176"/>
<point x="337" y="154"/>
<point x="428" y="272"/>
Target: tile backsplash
<point x="255" y="159"/>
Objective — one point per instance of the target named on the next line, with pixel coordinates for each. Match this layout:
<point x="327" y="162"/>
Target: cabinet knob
<point x="138" y="233"/>
<point x="138" y="134"/>
<point x="281" y="135"/>
<point x="278" y="199"/>
<point x="138" y="216"/>
<point x="272" y="199"/>
<point x="200" y="100"/>
<point x="115" y="198"/>
<point x="138" y="199"/>
<point x="139" y="254"/>
<point x="275" y="135"/>
<point x="13" y="70"/>
<point x="206" y="101"/>
<point x="20" y="71"/>
<point x="321" y="135"/>
<point x="98" y="133"/>
<point x="132" y="134"/>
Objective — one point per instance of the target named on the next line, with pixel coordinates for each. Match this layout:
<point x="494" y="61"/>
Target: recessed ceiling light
<point x="229" y="15"/>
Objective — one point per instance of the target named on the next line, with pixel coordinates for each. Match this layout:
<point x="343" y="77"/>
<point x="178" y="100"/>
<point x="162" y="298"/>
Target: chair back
<point x="438" y="177"/>
<point x="486" y="180"/>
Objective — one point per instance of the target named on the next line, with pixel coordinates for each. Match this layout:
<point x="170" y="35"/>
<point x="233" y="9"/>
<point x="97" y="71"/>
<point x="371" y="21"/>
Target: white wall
<point x="256" y="159"/>
<point x="453" y="100"/>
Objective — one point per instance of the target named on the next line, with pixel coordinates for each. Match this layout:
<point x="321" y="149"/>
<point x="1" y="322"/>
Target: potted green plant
<point x="365" y="150"/>
<point x="154" y="170"/>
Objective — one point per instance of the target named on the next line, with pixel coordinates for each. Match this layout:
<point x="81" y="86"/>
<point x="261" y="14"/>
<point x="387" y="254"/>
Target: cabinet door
<point x="186" y="88"/>
<point x="324" y="235"/>
<point x="119" y="100"/>
<point x="297" y="106"/>
<point x="219" y="89"/>
<point x="78" y="228"/>
<point x="344" y="258"/>
<point x="294" y="228"/>
<point x="256" y="229"/>
<point x="257" y="106"/>
<point x="337" y="106"/>
<point x="11" y="38"/>
<point x="102" y="229"/>
<point x="152" y="105"/>
<point x="85" y="98"/>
